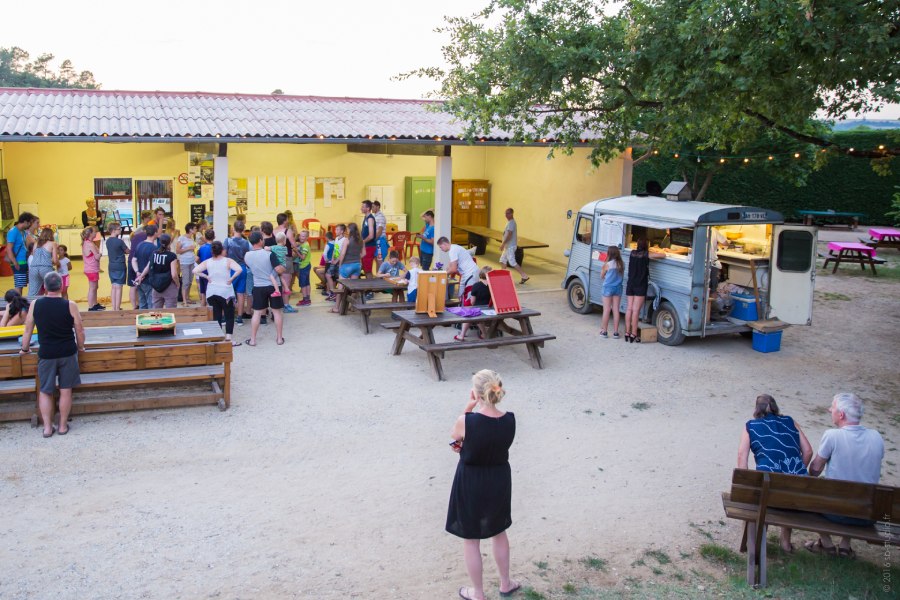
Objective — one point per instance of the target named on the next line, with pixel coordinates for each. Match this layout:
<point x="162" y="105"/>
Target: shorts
<point x="425" y="259"/>
<point x="612" y="290"/>
<point x="117" y="277"/>
<point x="202" y="283"/>
<point x="635" y="290"/>
<point x="20" y="276"/>
<point x="288" y="266"/>
<point x="92" y="276"/>
<point x="367" y="258"/>
<point x="350" y="269"/>
<point x="411" y="296"/>
<point x="262" y="299"/>
<point x="65" y="281"/>
<point x="66" y="368"/>
<point x="131" y="275"/>
<point x="382" y="248"/>
<point x="509" y="257"/>
<point x="239" y="283"/>
<point x="303" y="276"/>
<point x="334" y="271"/>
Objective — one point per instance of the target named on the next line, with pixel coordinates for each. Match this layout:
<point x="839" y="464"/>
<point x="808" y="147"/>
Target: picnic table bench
<point x="108" y="318"/>
<point x="816" y="217"/>
<point x="761" y="499"/>
<point x="882" y="237"/>
<point x="524" y="334"/>
<point x="115" y="358"/>
<point x="479" y="236"/>
<point x="851" y="252"/>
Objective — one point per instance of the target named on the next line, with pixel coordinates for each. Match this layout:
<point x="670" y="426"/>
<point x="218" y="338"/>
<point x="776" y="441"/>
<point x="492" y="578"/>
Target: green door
<point x="418" y="198"/>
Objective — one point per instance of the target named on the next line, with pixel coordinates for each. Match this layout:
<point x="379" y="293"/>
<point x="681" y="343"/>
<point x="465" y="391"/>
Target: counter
<point x="738" y="268"/>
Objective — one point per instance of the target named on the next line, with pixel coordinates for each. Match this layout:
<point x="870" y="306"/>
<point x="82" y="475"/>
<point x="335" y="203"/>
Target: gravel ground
<point x="329" y="476"/>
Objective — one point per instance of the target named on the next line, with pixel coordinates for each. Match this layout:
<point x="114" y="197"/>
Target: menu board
<point x="198" y="212"/>
<point x="682" y="236"/>
<point x="6" y="210"/>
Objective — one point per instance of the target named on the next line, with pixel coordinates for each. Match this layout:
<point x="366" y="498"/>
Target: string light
<point x="881" y="146"/>
<point x="722" y="161"/>
<point x="771" y="157"/>
<point x="749" y="158"/>
<point x="746" y="160"/>
<point x="852" y="149"/>
<point x="655" y="152"/>
<point x="676" y="155"/>
<point x="796" y="155"/>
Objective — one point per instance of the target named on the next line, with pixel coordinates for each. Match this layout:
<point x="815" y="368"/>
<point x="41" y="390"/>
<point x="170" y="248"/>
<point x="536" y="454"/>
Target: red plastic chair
<point x="314" y="226"/>
<point x="399" y="239"/>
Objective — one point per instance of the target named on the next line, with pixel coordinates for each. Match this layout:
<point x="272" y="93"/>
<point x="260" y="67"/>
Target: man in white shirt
<point x="715" y="240"/>
<point x="509" y="244"/>
<point x="461" y="263"/>
<point x="185" y="246"/>
<point x="852" y="453"/>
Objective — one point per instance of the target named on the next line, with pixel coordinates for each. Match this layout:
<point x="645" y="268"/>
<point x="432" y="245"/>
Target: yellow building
<point x="317" y="157"/>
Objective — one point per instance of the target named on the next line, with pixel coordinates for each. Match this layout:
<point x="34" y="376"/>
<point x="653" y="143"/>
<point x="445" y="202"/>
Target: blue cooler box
<point x="767" y="342"/>
<point x="744" y="307"/>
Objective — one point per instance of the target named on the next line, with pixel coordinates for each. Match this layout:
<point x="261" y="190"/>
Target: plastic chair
<point x="314" y="226"/>
<point x="398" y="242"/>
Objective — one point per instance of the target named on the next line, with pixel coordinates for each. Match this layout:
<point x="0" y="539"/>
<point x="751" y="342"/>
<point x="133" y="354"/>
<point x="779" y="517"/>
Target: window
<point x="583" y="230"/>
<point x="795" y="249"/>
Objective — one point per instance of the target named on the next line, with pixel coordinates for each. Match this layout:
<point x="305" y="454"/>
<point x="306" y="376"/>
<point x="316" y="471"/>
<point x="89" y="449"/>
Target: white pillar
<point x="627" y="171"/>
<point x="220" y="198"/>
<point x="443" y="203"/>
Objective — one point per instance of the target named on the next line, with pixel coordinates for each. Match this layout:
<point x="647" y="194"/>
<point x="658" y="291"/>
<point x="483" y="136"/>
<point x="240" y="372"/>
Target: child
<point x="280" y="251"/>
<point x="90" y="256"/>
<point x="612" y="274"/>
<point x="63" y="269"/>
<point x="304" y="258"/>
<point x="392" y="267"/>
<point x="480" y="296"/>
<point x="16" y="309"/>
<point x="324" y="261"/>
<point x="116" y="250"/>
<point x="413" y="275"/>
<point x="332" y="273"/>
<point x="204" y="252"/>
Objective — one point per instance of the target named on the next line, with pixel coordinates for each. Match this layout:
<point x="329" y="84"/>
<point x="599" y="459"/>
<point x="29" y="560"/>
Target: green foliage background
<point x="844" y="184"/>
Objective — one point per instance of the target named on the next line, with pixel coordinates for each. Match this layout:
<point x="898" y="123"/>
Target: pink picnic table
<point x="885" y="237"/>
<point x="852" y="252"/>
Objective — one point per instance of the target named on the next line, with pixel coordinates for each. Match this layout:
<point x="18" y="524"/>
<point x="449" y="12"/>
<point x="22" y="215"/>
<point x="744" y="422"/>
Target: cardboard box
<point x="648" y="333"/>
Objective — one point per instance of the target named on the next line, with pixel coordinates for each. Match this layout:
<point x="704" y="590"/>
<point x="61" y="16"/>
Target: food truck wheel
<point x="668" y="327"/>
<point x="578" y="300"/>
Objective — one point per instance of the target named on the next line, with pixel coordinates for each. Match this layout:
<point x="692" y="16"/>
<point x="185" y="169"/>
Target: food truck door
<point x="792" y="276"/>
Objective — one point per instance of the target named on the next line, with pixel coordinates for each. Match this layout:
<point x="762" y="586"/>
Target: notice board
<point x="6" y="210"/>
<point x="503" y="292"/>
<point x="198" y="212"/>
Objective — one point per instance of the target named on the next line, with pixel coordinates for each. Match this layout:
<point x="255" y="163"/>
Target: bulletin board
<point x="6" y="209"/>
<point x="504" y="296"/>
<point x="329" y="190"/>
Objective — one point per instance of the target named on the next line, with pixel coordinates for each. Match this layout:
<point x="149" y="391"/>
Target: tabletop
<point x="375" y="284"/>
<point x="415" y="319"/>
<point x="839" y="246"/>
<point x="126" y="335"/>
<point x="498" y="236"/>
<point x="881" y="232"/>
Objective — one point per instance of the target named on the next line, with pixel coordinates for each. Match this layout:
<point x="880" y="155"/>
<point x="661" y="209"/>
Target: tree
<point x="278" y="92"/>
<point x="17" y="71"/>
<point x="709" y="76"/>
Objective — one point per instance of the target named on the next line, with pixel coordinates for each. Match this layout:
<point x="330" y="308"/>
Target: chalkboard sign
<point x="198" y="212"/>
<point x="682" y="237"/>
<point x="6" y="211"/>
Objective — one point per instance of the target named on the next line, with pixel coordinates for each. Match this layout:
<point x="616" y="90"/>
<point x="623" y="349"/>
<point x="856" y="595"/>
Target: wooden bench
<point x="154" y="376"/>
<point x="13" y="385"/>
<point x="761" y="499"/>
<point x="823" y="217"/>
<point x="830" y="258"/>
<point x="112" y="318"/>
<point x="365" y="308"/>
<point x="479" y="236"/>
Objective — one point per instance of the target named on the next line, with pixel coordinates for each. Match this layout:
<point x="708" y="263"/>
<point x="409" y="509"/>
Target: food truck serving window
<point x="794" y="251"/>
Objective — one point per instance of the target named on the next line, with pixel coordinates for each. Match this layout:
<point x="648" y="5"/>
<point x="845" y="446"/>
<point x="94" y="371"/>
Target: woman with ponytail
<point x="163" y="271"/>
<point x="481" y="497"/>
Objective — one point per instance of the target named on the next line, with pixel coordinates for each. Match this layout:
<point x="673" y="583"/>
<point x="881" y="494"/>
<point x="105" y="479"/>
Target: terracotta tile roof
<point x="27" y="113"/>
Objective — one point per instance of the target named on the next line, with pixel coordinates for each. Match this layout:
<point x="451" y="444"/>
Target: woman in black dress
<point x="482" y="488"/>
<point x="636" y="287"/>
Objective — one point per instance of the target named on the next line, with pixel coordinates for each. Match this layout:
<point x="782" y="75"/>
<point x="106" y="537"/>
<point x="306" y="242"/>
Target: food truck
<point x="764" y="268"/>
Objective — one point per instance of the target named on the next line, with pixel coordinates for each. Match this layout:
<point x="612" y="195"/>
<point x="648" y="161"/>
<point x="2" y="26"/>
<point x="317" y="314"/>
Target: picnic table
<point x="479" y="236"/>
<point x="120" y="336"/>
<point x="524" y="334"/>
<point x="884" y="237"/>
<point x="851" y="219"/>
<point x="851" y="252"/>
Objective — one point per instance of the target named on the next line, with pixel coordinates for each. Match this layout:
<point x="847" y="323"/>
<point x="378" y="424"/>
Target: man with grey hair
<point x="852" y="453"/>
<point x="61" y="338"/>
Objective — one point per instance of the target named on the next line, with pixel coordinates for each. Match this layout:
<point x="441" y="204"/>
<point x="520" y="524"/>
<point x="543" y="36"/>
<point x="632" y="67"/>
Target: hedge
<point x="844" y="184"/>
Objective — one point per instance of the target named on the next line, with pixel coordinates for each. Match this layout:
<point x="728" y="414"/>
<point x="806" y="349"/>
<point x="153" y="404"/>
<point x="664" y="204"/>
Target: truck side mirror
<point x="568" y="214"/>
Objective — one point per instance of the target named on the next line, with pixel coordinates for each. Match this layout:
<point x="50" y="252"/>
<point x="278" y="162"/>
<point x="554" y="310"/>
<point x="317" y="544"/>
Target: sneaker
<point x="369" y="295"/>
<point x="304" y="302"/>
<point x="331" y="298"/>
<point x="248" y="317"/>
<point x="604" y="334"/>
<point x="263" y="320"/>
<point x="93" y="308"/>
<point x="616" y="335"/>
<point x="289" y="309"/>
<point x="239" y="320"/>
<point x="99" y="307"/>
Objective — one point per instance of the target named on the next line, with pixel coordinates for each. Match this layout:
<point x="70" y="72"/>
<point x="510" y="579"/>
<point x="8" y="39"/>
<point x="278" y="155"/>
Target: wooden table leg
<point x="837" y="261"/>
<point x="872" y="264"/>
<point x="365" y="320"/>
<point x="400" y="339"/>
<point x="534" y="352"/>
<point x="434" y="360"/>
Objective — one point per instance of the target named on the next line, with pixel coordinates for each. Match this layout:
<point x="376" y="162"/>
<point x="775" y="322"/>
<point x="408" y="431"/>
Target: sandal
<point x="458" y="338"/>
<point x="816" y="547"/>
<point x="515" y="588"/>
<point x="846" y="553"/>
<point x="235" y="344"/>
<point x="281" y="343"/>
<point x="464" y="593"/>
<point x="249" y="343"/>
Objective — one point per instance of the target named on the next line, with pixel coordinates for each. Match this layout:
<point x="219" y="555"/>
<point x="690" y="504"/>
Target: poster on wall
<point x="201" y="173"/>
<point x="237" y="196"/>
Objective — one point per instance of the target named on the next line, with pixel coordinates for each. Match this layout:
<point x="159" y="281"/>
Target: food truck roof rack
<point x="678" y="191"/>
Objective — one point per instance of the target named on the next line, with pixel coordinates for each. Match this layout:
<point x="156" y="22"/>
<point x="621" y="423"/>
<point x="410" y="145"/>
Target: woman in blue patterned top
<point x="778" y="446"/>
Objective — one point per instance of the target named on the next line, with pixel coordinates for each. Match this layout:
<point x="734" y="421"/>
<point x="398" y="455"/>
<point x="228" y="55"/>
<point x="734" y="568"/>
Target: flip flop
<point x="236" y="344"/>
<point x="61" y="432"/>
<point x="511" y="590"/>
<point x="281" y="343"/>
<point x="846" y="553"/>
<point x="249" y="343"/>
<point x="458" y="338"/>
<point x="464" y="593"/>
<point x="816" y="547"/>
<point x="52" y="431"/>
<point x="524" y="280"/>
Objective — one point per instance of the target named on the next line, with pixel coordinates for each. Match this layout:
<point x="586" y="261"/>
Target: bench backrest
<point x="874" y="502"/>
<point x="10" y="366"/>
<point x="112" y="318"/>
<point x="143" y="357"/>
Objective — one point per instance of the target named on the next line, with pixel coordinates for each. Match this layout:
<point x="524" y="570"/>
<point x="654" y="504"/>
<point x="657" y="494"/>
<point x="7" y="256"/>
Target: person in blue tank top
<point x="778" y="445"/>
<point x="612" y="274"/>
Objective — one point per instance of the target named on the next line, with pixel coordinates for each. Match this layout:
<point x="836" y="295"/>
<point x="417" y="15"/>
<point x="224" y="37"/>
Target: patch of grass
<point x="588" y="411"/>
<point x="541" y="565"/>
<point x="592" y="562"/>
<point x="656" y="571"/>
<point x="720" y="554"/>
<point x="835" y="296"/>
<point x="569" y="588"/>
<point x="701" y="531"/>
<point x="532" y="594"/>
<point x="641" y="405"/>
<point x="684" y="555"/>
<point x="659" y="556"/>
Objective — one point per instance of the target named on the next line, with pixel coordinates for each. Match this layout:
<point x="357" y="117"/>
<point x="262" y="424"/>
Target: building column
<point x="443" y="201"/>
<point x="220" y="194"/>
<point x="627" y="171"/>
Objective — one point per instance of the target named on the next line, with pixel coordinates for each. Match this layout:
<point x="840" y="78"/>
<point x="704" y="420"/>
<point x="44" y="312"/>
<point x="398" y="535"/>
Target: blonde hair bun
<point x="488" y="386"/>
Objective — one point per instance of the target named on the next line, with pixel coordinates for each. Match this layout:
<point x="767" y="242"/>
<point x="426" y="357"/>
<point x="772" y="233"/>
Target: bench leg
<point x="227" y="386"/>
<point x="397" y="348"/>
<point x="837" y="262"/>
<point x="762" y="557"/>
<point x="751" y="554"/>
<point x="434" y="358"/>
<point x="365" y="320"/>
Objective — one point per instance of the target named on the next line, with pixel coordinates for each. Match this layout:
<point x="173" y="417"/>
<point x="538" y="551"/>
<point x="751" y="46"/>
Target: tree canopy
<point x="16" y="70"/>
<point x="715" y="77"/>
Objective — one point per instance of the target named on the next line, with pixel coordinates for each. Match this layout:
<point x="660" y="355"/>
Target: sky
<point x="315" y="48"/>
